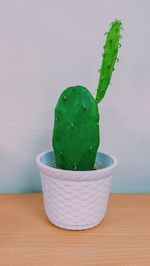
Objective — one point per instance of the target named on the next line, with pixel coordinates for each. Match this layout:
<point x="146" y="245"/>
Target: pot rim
<point x="104" y="170"/>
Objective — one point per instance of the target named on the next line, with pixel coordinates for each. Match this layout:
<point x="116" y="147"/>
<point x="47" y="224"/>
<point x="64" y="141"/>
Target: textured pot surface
<point x="76" y="199"/>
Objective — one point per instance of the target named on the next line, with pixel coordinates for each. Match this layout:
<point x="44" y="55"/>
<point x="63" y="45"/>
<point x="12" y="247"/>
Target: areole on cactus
<point x="76" y="128"/>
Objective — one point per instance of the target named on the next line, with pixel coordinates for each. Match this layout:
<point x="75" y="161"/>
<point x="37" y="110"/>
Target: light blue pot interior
<point x="102" y="160"/>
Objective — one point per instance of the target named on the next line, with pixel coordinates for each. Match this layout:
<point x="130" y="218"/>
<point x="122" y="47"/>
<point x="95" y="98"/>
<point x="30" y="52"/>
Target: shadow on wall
<point x="132" y="151"/>
<point x="18" y="171"/>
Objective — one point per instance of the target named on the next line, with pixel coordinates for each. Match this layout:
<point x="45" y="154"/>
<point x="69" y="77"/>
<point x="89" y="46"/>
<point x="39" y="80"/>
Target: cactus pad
<point x="76" y="130"/>
<point x="109" y="58"/>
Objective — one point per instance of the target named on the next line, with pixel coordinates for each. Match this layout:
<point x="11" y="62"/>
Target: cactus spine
<point x="76" y="128"/>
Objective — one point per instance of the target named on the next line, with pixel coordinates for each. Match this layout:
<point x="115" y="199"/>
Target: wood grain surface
<point x="28" y="238"/>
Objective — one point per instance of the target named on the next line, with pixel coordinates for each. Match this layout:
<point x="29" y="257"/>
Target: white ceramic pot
<point x="76" y="199"/>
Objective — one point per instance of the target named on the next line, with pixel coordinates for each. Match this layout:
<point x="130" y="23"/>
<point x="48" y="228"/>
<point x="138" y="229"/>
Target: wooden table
<point x="28" y="238"/>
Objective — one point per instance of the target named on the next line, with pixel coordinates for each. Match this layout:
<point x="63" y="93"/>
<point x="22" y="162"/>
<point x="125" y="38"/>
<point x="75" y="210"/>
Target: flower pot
<point x="76" y="200"/>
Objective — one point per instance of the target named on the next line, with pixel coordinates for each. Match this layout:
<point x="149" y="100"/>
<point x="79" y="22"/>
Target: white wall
<point x="48" y="45"/>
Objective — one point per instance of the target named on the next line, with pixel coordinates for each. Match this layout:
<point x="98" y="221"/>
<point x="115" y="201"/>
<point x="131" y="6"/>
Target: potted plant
<point x="76" y="177"/>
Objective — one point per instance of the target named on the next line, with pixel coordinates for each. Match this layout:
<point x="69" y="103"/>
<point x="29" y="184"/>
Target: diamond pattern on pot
<point x="75" y="203"/>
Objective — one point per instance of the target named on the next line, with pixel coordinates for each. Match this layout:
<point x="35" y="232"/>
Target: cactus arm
<point x="109" y="58"/>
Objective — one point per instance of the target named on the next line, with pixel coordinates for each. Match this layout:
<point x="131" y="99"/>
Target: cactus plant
<point x="76" y="129"/>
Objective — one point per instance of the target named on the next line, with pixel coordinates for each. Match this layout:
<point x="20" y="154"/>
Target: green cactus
<point x="76" y="128"/>
<point x="109" y="58"/>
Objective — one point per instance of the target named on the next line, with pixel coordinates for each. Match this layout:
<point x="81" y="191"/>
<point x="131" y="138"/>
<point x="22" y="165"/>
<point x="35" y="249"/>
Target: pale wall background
<point x="46" y="46"/>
